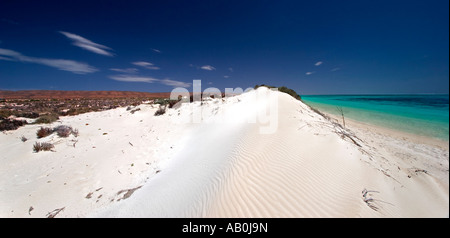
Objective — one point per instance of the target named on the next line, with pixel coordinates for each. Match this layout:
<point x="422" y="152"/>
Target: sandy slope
<point x="115" y="150"/>
<point x="147" y="166"/>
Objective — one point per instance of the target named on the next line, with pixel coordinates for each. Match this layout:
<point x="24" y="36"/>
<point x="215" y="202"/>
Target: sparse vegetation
<point x="47" y="111"/>
<point x="10" y="124"/>
<point x="166" y="102"/>
<point x="63" y="131"/>
<point x="5" y="113"/>
<point x="47" y="118"/>
<point x="282" y="89"/>
<point x="44" y="132"/>
<point x="290" y="92"/>
<point x="320" y="113"/>
<point x="135" y="110"/>
<point x="341" y="111"/>
<point x="42" y="146"/>
<point x="31" y="115"/>
<point x="75" y="132"/>
<point x="161" y="110"/>
<point x="338" y="128"/>
<point x="172" y="103"/>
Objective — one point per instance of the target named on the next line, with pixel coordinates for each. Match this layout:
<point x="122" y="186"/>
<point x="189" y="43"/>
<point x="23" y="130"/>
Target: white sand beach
<point x="140" y="165"/>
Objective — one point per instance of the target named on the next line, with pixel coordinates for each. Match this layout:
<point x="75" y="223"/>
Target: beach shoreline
<point x="426" y="152"/>
<point x="397" y="134"/>
<point x="425" y="115"/>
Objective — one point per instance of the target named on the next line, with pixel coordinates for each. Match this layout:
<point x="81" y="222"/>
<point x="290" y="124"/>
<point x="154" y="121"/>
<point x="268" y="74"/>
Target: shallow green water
<point x="426" y="115"/>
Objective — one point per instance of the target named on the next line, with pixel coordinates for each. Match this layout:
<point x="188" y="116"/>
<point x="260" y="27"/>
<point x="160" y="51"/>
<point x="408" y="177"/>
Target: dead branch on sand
<point x="341" y="111"/>
<point x="128" y="192"/>
<point x="55" y="212"/>
<point x="370" y="200"/>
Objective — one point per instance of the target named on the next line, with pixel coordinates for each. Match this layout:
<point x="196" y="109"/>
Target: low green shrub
<point x="160" y="111"/>
<point x="282" y="89"/>
<point x="47" y="119"/>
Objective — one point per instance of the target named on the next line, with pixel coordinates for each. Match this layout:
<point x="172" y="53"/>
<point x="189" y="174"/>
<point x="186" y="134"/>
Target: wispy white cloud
<point x="87" y="44"/>
<point x="231" y="69"/>
<point x="10" y="53"/>
<point x="7" y="59"/>
<point x="208" y="67"/>
<point x="156" y="50"/>
<point x="146" y="65"/>
<point x="145" y="79"/>
<point x="133" y="78"/>
<point x="175" y="83"/>
<point x="335" y="69"/>
<point x="309" y="73"/>
<point x="318" y="63"/>
<point x="205" y="67"/>
<point x="127" y="70"/>
<point x="66" y="65"/>
<point x="226" y="76"/>
<point x="142" y="63"/>
<point x="61" y="64"/>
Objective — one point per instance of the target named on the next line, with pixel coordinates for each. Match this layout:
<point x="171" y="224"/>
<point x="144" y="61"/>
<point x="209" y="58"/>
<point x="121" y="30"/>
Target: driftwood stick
<point x="55" y="212"/>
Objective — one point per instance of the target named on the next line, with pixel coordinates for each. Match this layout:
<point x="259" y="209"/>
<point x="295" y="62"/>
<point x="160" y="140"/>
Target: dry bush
<point x="172" y="103"/>
<point x="27" y="114"/>
<point x="44" y="146"/>
<point x="63" y="131"/>
<point x="5" y="113"/>
<point x="10" y="124"/>
<point x="160" y="111"/>
<point x="75" y="132"/>
<point x="341" y="111"/>
<point x="135" y="110"/>
<point x="43" y="132"/>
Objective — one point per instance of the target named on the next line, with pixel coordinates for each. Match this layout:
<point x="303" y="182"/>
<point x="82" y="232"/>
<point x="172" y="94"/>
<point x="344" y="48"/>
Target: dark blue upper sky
<point x="314" y="47"/>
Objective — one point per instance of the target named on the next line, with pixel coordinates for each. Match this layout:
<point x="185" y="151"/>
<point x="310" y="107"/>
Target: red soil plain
<point x="58" y="94"/>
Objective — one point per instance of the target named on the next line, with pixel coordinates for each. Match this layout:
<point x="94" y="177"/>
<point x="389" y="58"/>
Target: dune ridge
<point x="305" y="169"/>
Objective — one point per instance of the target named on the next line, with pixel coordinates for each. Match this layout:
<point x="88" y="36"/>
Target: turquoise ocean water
<point x="426" y="115"/>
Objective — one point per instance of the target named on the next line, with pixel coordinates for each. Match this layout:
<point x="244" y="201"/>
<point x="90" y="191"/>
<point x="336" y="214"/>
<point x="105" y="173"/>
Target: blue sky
<point x="314" y="47"/>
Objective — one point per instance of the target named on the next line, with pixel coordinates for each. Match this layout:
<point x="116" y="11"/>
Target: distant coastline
<point x="61" y="94"/>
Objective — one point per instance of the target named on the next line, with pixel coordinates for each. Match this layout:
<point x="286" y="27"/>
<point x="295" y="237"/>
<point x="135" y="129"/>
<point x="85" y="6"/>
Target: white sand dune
<point x="148" y="166"/>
